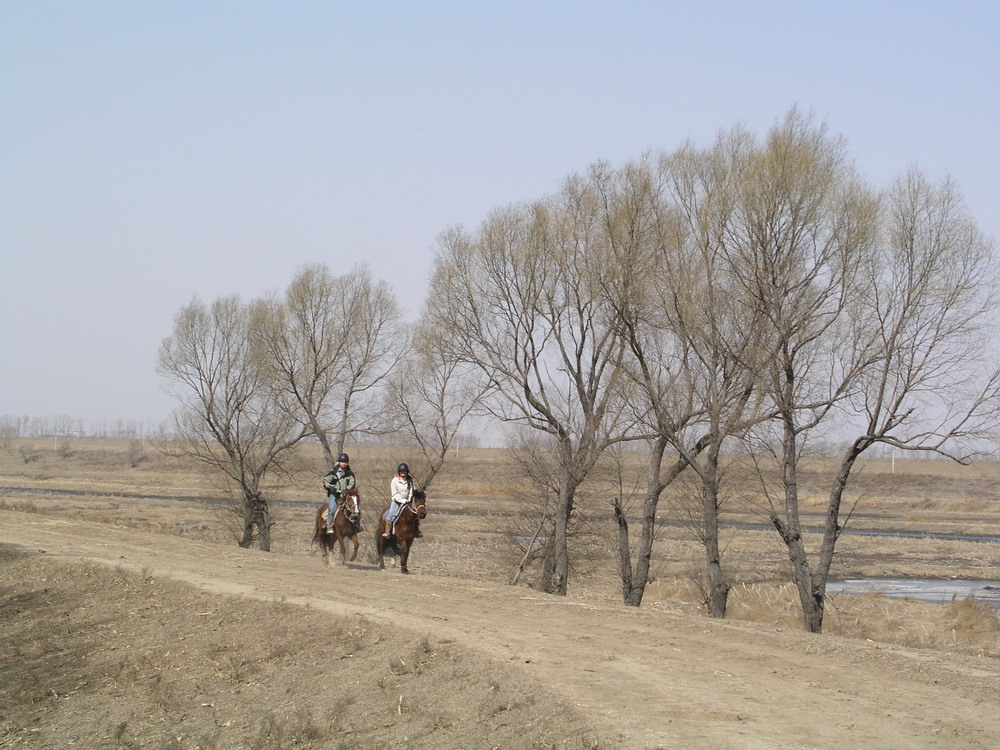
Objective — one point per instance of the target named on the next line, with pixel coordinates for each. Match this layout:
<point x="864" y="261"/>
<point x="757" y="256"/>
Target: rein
<point x="342" y="504"/>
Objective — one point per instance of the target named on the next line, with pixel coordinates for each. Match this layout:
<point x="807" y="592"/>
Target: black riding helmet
<point x="401" y="468"/>
<point x="343" y="459"/>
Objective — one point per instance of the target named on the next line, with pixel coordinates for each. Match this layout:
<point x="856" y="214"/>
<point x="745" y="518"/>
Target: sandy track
<point x="660" y="679"/>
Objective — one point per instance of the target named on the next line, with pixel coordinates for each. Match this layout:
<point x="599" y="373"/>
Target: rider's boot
<point x="390" y="529"/>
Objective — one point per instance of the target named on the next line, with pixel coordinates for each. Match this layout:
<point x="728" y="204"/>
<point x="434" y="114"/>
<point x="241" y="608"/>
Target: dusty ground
<point x="126" y="624"/>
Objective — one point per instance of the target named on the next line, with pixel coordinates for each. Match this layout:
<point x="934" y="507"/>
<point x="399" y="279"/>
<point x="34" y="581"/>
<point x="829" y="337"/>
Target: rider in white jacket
<point x="401" y="488"/>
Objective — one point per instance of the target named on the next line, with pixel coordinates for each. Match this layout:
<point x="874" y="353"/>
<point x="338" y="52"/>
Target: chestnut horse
<point x="406" y="531"/>
<point x="342" y="528"/>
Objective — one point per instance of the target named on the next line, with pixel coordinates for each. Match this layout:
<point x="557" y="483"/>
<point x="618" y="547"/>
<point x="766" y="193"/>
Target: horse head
<point x="418" y="505"/>
<point x="349" y="498"/>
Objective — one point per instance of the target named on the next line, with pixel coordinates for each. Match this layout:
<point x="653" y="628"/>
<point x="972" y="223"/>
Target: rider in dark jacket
<point x="336" y="482"/>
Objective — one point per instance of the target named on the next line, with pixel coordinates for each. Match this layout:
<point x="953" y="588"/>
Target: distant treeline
<point x="65" y="426"/>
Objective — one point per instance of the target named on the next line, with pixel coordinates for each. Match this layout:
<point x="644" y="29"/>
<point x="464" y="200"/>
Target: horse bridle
<point x="342" y="505"/>
<point x="415" y="509"/>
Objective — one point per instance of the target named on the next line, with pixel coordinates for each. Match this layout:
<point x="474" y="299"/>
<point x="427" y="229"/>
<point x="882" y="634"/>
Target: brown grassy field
<point x="105" y="649"/>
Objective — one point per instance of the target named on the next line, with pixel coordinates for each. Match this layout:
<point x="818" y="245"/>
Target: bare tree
<point x="925" y="385"/>
<point x="11" y="428"/>
<point x="689" y="341"/>
<point x="866" y="318"/>
<point x="702" y="304"/>
<point x="803" y="229"/>
<point x="332" y="340"/>
<point x="376" y="344"/>
<point x="431" y="395"/>
<point x="136" y="452"/>
<point x="231" y="415"/>
<point x="303" y="338"/>
<point x="639" y="228"/>
<point x="521" y="302"/>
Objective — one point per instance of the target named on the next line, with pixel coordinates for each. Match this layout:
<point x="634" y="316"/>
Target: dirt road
<point x="661" y="680"/>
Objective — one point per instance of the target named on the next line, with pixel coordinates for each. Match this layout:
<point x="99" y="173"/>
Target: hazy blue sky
<point x="154" y="151"/>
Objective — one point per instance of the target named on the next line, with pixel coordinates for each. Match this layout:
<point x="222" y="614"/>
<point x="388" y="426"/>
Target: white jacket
<point x="401" y="489"/>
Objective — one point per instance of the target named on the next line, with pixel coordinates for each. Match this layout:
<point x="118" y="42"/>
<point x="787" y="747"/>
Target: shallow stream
<point x="930" y="590"/>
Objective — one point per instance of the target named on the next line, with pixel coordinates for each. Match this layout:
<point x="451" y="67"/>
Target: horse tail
<point x="318" y="536"/>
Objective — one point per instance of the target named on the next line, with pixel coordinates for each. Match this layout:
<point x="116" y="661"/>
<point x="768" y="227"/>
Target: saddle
<point x="390" y="525"/>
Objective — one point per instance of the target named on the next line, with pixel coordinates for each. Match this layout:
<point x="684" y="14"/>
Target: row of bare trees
<point x="22" y="426"/>
<point x="751" y="296"/>
<point x="327" y="360"/>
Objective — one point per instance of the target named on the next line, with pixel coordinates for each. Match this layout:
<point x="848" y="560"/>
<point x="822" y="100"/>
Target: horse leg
<point x="324" y="545"/>
<point x="380" y="545"/>
<point x="354" y="554"/>
<point x="404" y="554"/>
<point x="343" y="549"/>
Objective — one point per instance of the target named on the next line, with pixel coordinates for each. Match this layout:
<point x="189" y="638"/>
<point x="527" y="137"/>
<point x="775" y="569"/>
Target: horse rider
<point x="401" y="489"/>
<point x="336" y="482"/>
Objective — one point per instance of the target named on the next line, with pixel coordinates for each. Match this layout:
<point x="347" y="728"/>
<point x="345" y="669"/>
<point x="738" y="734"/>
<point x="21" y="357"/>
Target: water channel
<point x="920" y="589"/>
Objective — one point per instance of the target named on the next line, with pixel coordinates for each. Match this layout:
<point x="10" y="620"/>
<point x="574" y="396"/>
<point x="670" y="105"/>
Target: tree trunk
<point x="549" y="567"/>
<point x="812" y="585"/>
<point x="264" y="523"/>
<point x="811" y="598"/>
<point x="831" y="526"/>
<point x="718" y="587"/>
<point x="631" y="596"/>
<point x="634" y="583"/>
<point x="635" y="587"/>
<point x="247" y="539"/>
<point x="560" y="557"/>
<point x="324" y="442"/>
<point x="342" y="428"/>
<point x="790" y="528"/>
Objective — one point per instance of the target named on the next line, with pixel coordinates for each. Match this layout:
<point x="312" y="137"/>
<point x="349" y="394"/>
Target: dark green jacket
<point x="338" y="480"/>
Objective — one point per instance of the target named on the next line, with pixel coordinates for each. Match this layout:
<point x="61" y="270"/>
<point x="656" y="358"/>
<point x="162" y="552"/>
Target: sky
<point x="153" y="152"/>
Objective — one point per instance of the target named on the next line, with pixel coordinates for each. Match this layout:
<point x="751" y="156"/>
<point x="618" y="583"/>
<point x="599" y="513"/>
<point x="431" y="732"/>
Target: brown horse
<point x="342" y="527"/>
<point x="407" y="528"/>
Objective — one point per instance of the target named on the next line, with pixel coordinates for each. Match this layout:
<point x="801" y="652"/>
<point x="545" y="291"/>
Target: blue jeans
<point x="395" y="510"/>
